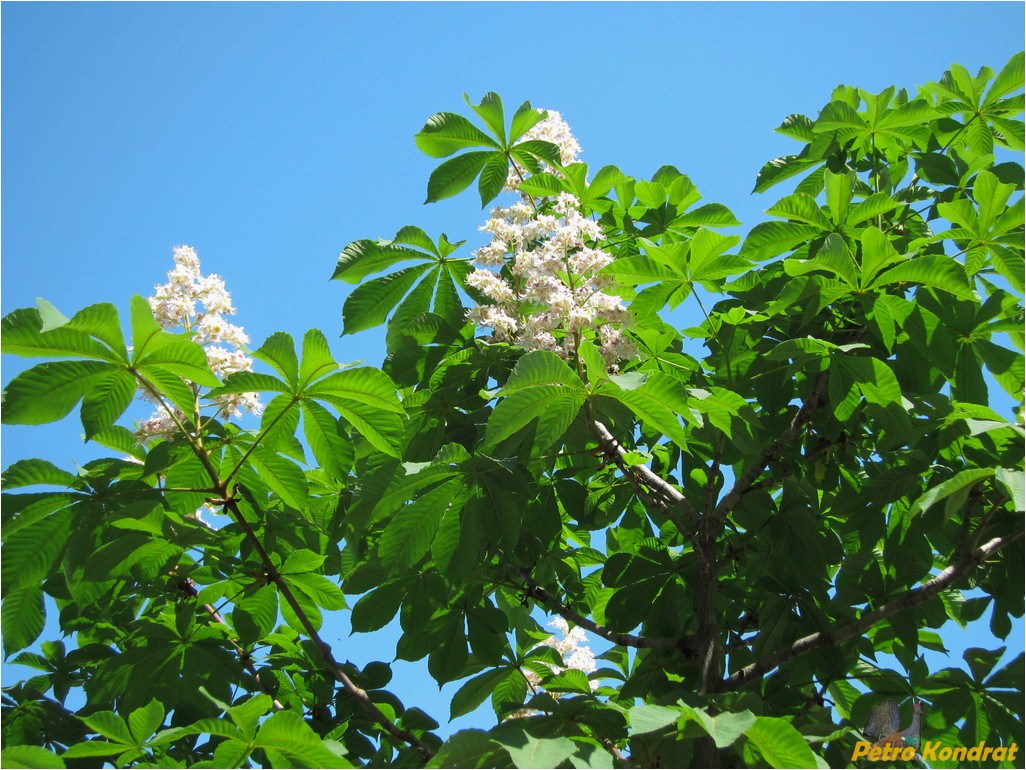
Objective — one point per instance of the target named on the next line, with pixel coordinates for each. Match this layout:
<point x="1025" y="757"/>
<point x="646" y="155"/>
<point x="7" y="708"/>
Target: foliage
<point x="750" y="511"/>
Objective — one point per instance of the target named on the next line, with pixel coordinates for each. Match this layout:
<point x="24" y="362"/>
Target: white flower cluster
<point x="575" y="653"/>
<point x="198" y="304"/>
<point x="554" y="295"/>
<point x="551" y="129"/>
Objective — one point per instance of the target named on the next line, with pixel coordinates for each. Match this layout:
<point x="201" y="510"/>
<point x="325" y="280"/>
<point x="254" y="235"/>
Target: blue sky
<point x="268" y="136"/>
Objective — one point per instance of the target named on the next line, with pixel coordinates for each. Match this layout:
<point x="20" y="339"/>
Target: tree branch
<point x="188" y="587"/>
<point x="748" y="478"/>
<point x="669" y="498"/>
<point x="912" y="598"/>
<point x="348" y="685"/>
<point x="539" y="594"/>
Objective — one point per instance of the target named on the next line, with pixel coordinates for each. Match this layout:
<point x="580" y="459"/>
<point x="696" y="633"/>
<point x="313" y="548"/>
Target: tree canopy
<point x="749" y="511"/>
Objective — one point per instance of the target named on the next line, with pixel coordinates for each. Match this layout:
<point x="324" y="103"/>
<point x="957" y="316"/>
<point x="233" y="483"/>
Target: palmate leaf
<point x="291" y="742"/>
<point x="21" y="333"/>
<point x="371" y="303"/>
<point x="47" y="392"/>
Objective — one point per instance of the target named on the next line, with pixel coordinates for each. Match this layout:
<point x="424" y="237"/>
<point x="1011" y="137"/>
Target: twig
<point x="188" y="586"/>
<point x="912" y="598"/>
<point x="748" y="478"/>
<point x="539" y="594"/>
<point x="667" y="499"/>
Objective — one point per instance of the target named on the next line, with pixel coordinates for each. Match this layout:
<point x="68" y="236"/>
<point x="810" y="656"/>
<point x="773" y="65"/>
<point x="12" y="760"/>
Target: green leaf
<point x="301" y="560"/>
<point x="936" y="270"/>
<point x="320" y="589"/>
<point x="254" y="615"/>
<point x="839" y="188"/>
<point x="1013" y="482"/>
<point x="455" y="175"/>
<point x="780" y="169"/>
<point x="541" y="186"/>
<point x="178" y="355"/>
<point x="540" y="367"/>
<point x="286" y="732"/>
<point x="21" y="335"/>
<point x="362" y="384"/>
<point x="22" y="617"/>
<point x="779" y="743"/>
<point x="709" y="215"/>
<point x="657" y="404"/>
<point x="95" y="749"/>
<point x="545" y="151"/>
<point x="724" y="728"/>
<point x="109" y="725"/>
<point x="801" y="208"/>
<point x="375" y="609"/>
<point x="648" y="718"/>
<point x="490" y="111"/>
<point x="144" y="721"/>
<point x="555" y="407"/>
<point x="875" y="205"/>
<point x="29" y="757"/>
<point x="383" y="429"/>
<point x="282" y="476"/>
<point x="106" y="401"/>
<point x="249" y="382"/>
<point x="317" y="358"/>
<point x="476" y="691"/>
<point x="47" y="392"/>
<point x="408" y="535"/>
<point x="332" y="451"/>
<point x="467" y="748"/>
<point x="524" y="119"/>
<point x="493" y="177"/>
<point x="29" y="553"/>
<point x="28" y="473"/>
<point x="770" y="239"/>
<point x="526" y="751"/>
<point x="370" y="303"/>
<point x="446" y="133"/>
<point x="960" y="481"/>
<point x="279" y="352"/>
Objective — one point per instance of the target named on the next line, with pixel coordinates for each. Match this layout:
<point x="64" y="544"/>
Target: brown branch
<point x="188" y="587"/>
<point x="667" y="499"/>
<point x="340" y="676"/>
<point x="912" y="598"/>
<point x="749" y="477"/>
<point x="539" y="594"/>
<point x="609" y="746"/>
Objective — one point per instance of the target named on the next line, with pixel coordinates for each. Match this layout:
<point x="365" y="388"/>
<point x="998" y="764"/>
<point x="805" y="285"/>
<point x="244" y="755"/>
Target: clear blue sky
<point x="268" y="136"/>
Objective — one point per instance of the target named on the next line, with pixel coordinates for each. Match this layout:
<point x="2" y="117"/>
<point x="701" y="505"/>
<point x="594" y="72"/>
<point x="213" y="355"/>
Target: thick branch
<point x="539" y="594"/>
<point x="641" y="474"/>
<point x="912" y="598"/>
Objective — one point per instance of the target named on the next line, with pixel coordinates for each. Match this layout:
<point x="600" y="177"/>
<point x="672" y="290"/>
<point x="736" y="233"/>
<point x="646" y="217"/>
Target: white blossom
<point x="557" y="295"/>
<point x="576" y="654"/>
<point x="551" y="129"/>
<point x="198" y="304"/>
